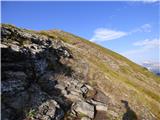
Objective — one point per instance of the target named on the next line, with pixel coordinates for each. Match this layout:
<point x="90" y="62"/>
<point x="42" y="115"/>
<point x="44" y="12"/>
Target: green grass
<point x="66" y="37"/>
<point x="31" y="114"/>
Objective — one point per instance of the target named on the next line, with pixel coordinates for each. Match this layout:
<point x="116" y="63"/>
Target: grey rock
<point x="25" y="34"/>
<point x="34" y="48"/>
<point x="15" y="47"/>
<point x="5" y="32"/>
<point x="82" y="107"/>
<point x="49" y="110"/>
<point x="3" y="46"/>
<point x="99" y="105"/>
<point x="60" y="86"/>
<point x="84" y="89"/>
<point x="65" y="52"/>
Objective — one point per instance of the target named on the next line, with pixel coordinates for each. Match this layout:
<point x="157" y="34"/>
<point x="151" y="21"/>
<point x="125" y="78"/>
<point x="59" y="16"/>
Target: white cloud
<point x="144" y="46"/>
<point x="148" y="43"/>
<point x="143" y="28"/>
<point x="104" y="34"/>
<point x="146" y="28"/>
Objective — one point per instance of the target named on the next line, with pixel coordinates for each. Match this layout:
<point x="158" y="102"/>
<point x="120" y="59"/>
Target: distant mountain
<point x="158" y="74"/>
<point x="56" y="75"/>
<point x="152" y="66"/>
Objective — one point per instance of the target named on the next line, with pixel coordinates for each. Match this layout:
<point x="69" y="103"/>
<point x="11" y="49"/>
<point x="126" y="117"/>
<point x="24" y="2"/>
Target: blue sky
<point x="128" y="28"/>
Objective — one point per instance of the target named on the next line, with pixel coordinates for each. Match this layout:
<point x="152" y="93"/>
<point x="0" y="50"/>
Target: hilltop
<point x="57" y="75"/>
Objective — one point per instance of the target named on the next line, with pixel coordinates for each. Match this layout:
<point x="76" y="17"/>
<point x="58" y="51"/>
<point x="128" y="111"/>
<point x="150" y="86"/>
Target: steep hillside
<point x="73" y="77"/>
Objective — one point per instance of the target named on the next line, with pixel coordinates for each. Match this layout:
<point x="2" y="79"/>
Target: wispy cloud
<point x="146" y="28"/>
<point x="143" y="28"/>
<point x="104" y="34"/>
<point x="147" y="42"/>
<point x="144" y="46"/>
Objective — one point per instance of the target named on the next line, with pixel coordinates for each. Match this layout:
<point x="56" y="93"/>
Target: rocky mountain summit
<point x="53" y="75"/>
<point x="31" y="65"/>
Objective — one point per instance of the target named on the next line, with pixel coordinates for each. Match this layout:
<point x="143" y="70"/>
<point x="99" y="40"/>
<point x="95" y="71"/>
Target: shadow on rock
<point x="130" y="114"/>
<point x="23" y="94"/>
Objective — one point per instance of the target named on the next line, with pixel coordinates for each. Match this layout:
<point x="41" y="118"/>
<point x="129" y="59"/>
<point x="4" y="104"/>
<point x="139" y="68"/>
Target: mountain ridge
<point x="117" y="80"/>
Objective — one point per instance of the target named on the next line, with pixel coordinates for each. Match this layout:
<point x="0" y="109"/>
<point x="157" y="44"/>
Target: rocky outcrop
<point x="26" y="58"/>
<point x="31" y="88"/>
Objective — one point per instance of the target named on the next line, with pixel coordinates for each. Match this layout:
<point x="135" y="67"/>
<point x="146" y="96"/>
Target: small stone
<point x="84" y="89"/>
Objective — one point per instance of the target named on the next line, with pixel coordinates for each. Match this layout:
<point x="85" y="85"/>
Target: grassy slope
<point x="118" y="77"/>
<point x="130" y="81"/>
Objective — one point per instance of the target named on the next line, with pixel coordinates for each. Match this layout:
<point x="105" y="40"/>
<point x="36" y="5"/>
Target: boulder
<point x="49" y="110"/>
<point x="99" y="105"/>
<point x="82" y="107"/>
